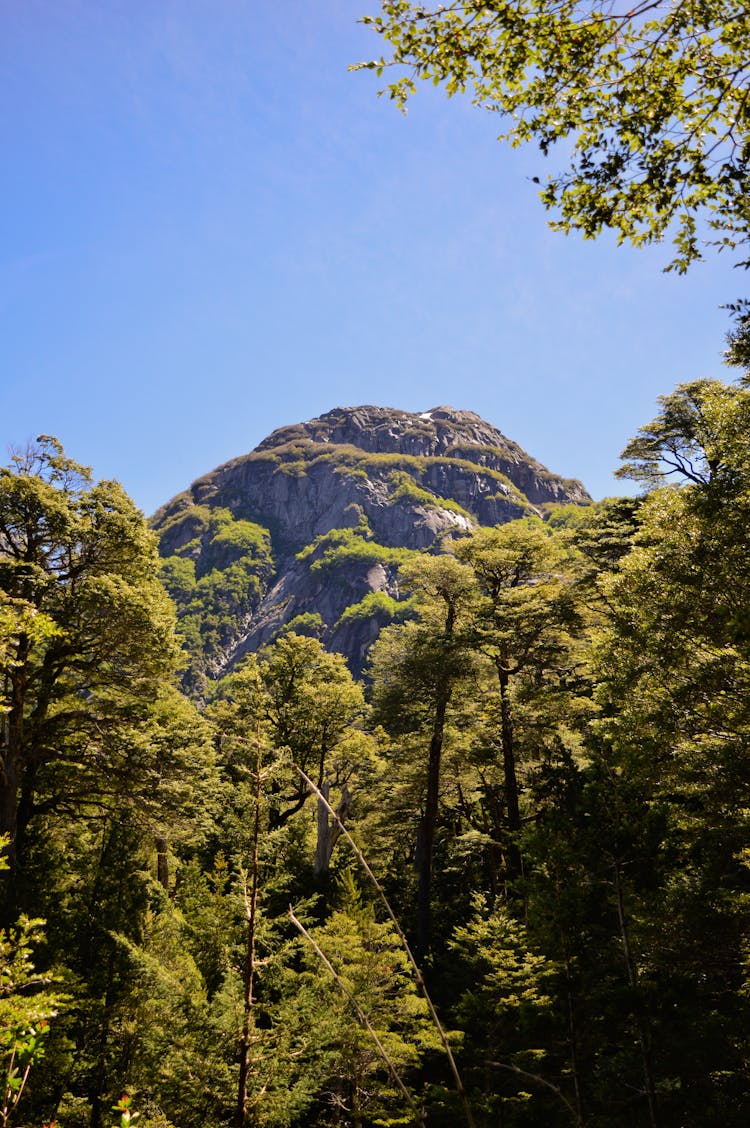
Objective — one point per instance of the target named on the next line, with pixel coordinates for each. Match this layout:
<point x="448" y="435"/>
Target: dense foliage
<point x="546" y="768"/>
<point x="648" y="103"/>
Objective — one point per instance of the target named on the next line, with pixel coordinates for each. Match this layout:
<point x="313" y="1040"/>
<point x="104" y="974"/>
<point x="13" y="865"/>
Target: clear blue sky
<point x="211" y="229"/>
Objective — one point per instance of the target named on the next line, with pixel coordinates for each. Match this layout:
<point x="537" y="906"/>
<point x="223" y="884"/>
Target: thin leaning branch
<point x="545" y="1083"/>
<point x="400" y="932"/>
<point x="419" y="1116"/>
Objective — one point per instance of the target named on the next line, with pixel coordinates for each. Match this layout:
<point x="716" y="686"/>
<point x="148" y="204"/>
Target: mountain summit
<point x="306" y="531"/>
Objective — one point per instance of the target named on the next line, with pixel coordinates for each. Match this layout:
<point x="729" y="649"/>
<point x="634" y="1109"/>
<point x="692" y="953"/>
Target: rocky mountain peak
<point x="311" y="525"/>
<point x="437" y="431"/>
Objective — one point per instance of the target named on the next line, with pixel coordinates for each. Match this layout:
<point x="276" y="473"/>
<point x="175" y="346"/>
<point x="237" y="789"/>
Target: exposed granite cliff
<point x="315" y="520"/>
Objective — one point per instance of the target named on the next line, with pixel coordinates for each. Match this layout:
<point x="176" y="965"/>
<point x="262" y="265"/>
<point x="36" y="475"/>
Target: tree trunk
<point x="641" y="1025"/>
<point x="9" y="807"/>
<point x="573" y="1041"/>
<point x="356" y="1109"/>
<point x="512" y="809"/>
<point x="428" y="824"/>
<point x="329" y="831"/>
<point x="162" y="861"/>
<point x="8" y="828"/>
<point x="9" y="769"/>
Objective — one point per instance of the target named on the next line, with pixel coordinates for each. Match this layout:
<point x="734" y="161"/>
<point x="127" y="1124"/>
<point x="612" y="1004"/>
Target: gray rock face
<point x="397" y="480"/>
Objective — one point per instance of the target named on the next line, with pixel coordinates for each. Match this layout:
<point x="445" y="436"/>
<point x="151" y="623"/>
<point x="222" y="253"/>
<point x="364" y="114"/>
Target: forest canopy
<point x="546" y="766"/>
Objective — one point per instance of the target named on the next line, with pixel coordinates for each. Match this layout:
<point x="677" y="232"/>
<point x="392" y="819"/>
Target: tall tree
<point x="310" y="706"/>
<point x="415" y="671"/>
<point x="522" y="624"/>
<point x="674" y="664"/>
<point x="89" y="636"/>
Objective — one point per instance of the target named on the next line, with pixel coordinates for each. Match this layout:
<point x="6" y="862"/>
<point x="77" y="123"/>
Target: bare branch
<point x="400" y="932"/>
<point x="419" y="1117"/>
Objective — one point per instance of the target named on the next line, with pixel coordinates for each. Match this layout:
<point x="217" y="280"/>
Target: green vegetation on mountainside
<point x="217" y="580"/>
<point x="343" y="547"/>
<point x="377" y="605"/>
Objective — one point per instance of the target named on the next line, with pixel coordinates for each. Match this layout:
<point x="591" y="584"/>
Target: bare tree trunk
<point x="329" y="830"/>
<point x="356" y="1110"/>
<point x="162" y="861"/>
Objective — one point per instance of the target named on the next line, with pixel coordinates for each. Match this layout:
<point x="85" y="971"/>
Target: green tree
<point x="503" y="1008"/>
<point x="697" y="437"/>
<point x="374" y="980"/>
<point x="309" y="705"/>
<point x="416" y="668"/>
<point x="181" y="1038"/>
<point x="26" y="1006"/>
<point x="649" y="101"/>
<point x="89" y="636"/>
<point x="523" y="623"/>
<point x="106" y="768"/>
<point x="674" y="669"/>
<point x="232" y="913"/>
